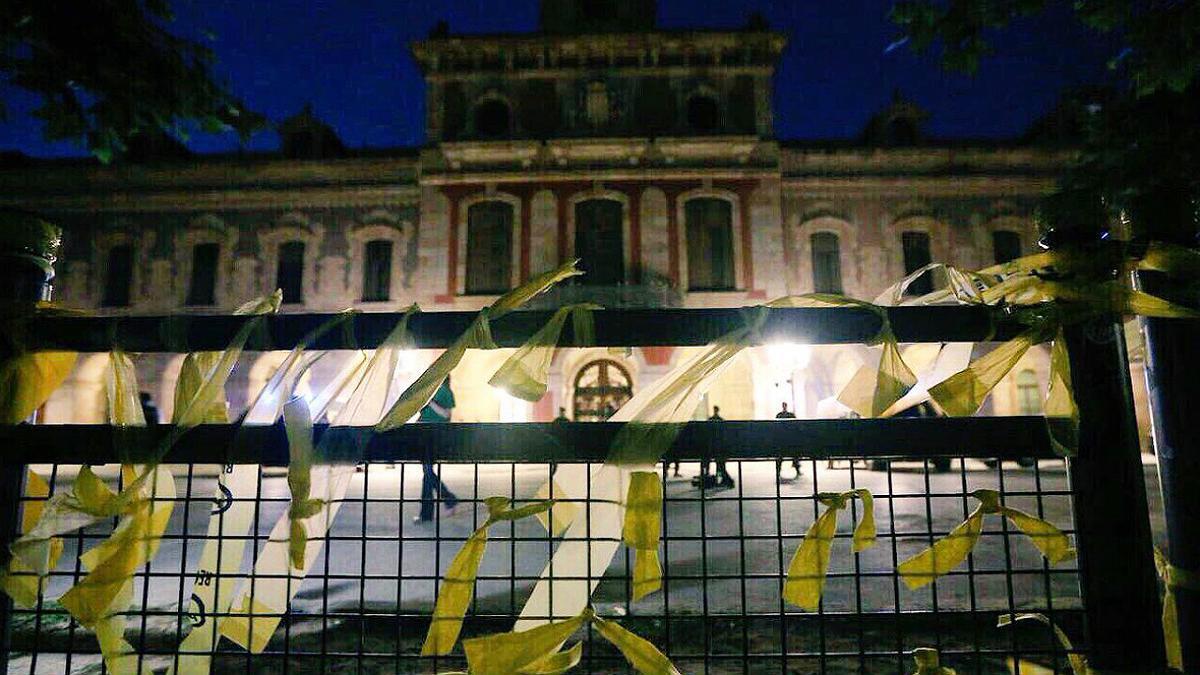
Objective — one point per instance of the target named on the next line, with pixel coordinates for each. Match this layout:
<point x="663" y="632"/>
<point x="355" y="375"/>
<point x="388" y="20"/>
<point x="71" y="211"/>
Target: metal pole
<point x="28" y="246"/>
<point x="1172" y="363"/>
<point x="1117" y="577"/>
<point x="1112" y="519"/>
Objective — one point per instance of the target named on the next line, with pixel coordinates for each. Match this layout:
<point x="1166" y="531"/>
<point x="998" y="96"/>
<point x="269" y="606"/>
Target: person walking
<point x="438" y="410"/>
<point x="785" y="414"/>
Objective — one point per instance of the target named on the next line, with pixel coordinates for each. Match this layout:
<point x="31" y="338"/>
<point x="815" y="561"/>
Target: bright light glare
<point x="512" y="409"/>
<point x="790" y="355"/>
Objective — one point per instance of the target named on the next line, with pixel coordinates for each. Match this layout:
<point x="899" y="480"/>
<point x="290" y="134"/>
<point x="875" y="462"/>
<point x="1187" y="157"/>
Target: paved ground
<point x="723" y="555"/>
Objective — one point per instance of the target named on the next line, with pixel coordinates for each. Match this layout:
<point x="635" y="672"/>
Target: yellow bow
<point x="458" y="584"/>
<point x="950" y="551"/>
<point x="806" y="573"/>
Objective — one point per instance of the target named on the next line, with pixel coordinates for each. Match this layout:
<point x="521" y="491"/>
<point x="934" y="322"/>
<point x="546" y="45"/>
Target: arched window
<point x="703" y="115"/>
<point x="1029" y="396"/>
<point x="489" y="248"/>
<point x="709" y="244"/>
<point x="289" y="272"/>
<point x="826" y="263"/>
<point x="377" y="271"/>
<point x="601" y="388"/>
<point x="599" y="242"/>
<point x="1006" y="246"/>
<point x="202" y="289"/>
<point x="492" y="118"/>
<point x="118" y="276"/>
<point x="916" y="256"/>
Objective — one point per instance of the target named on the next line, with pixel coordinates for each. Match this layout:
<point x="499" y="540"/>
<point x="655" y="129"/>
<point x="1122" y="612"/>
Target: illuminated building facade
<point x="648" y="154"/>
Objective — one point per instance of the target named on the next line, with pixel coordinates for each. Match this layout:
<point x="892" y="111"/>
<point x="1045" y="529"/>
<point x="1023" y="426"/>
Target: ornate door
<point x="601" y="388"/>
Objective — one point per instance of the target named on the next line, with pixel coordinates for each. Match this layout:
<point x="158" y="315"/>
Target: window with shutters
<point x="916" y="256"/>
<point x="1006" y="246"/>
<point x="289" y="272"/>
<point x="826" y="263"/>
<point x="709" y="244"/>
<point x="202" y="288"/>
<point x="377" y="271"/>
<point x="118" y="276"/>
<point x="489" y="248"/>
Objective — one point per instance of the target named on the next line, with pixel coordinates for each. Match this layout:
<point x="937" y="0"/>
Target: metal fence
<point x="366" y="605"/>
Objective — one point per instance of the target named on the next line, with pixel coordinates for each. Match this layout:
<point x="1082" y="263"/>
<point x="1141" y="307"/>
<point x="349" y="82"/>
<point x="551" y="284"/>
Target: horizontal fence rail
<point x="428" y="330"/>
<point x="916" y="438"/>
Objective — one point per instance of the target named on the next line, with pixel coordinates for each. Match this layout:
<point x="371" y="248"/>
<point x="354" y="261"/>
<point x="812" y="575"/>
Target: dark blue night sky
<point x="350" y="60"/>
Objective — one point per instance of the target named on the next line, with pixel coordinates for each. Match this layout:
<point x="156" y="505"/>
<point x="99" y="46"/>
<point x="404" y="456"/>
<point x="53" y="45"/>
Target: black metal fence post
<point x="1172" y="358"/>
<point x="1112" y="517"/>
<point x="28" y="246"/>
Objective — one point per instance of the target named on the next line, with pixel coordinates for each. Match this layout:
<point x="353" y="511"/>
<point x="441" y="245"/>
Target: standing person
<point x="723" y="477"/>
<point x="149" y="410"/>
<point x="562" y="415"/>
<point x="437" y="411"/>
<point x="785" y="414"/>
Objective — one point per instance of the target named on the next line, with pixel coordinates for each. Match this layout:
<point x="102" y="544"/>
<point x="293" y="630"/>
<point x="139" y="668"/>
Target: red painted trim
<point x="454" y="194"/>
<point x="747" y="239"/>
<point x="452" y="254"/>
<point x="673" y="238"/>
<point x="562" y="194"/>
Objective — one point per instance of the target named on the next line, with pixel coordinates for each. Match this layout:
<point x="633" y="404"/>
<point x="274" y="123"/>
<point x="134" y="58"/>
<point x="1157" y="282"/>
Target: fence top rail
<point x="911" y="438"/>
<point x="429" y="330"/>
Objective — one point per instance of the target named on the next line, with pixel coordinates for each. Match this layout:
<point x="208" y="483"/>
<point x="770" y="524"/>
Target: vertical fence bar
<point x="28" y="248"/>
<point x="1112" y="518"/>
<point x="1170" y="215"/>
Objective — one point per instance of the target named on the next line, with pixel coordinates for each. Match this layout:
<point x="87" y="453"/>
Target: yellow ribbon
<point x="458" y="584"/>
<point x="477" y="336"/>
<point x="536" y="651"/>
<point x="524" y="374"/>
<point x="809" y="565"/>
<point x="929" y="662"/>
<point x="1079" y="664"/>
<point x="27" y="381"/>
<point x="643" y="524"/>
<point x="950" y="551"/>
<point x="19" y="580"/>
<point x="1173" y="577"/>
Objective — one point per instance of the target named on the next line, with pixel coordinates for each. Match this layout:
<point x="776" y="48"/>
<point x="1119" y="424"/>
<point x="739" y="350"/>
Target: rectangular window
<point x="377" y="271"/>
<point x="916" y="256"/>
<point x="203" y="288"/>
<point x="826" y="263"/>
<point x="289" y="273"/>
<point x="489" y="248"/>
<point x="118" y="276"/>
<point x="1006" y="245"/>
<point x="709" y="244"/>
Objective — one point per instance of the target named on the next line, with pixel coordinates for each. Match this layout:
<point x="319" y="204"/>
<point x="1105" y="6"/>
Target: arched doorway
<point x="601" y="388"/>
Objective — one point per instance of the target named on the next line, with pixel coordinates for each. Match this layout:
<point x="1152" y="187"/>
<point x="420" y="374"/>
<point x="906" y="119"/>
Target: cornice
<point x="212" y="200"/>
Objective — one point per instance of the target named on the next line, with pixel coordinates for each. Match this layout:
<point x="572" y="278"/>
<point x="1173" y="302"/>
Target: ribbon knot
<point x="809" y="565"/>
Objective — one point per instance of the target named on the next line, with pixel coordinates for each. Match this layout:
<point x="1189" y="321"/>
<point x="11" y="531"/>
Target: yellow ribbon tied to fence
<point x="27" y="380"/>
<point x="806" y="572"/>
<point x="950" y="551"/>
<point x="1079" y="663"/>
<point x="929" y="662"/>
<point x="536" y="651"/>
<point x="19" y="581"/>
<point x="643" y="524"/>
<point x="458" y="585"/>
<point x="477" y="336"/>
<point x="1172" y="578"/>
<point x="524" y="374"/>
